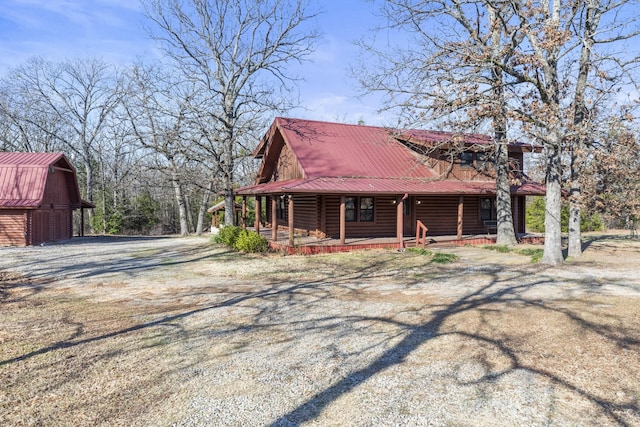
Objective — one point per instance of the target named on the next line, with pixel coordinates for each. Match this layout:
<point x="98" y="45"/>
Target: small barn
<point x="38" y="194"/>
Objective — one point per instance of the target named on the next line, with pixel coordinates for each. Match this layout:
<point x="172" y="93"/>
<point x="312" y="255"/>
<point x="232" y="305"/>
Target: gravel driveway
<point x="181" y="332"/>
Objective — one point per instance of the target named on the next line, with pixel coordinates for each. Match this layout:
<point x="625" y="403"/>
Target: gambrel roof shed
<point x="23" y="179"/>
<point x="38" y="194"/>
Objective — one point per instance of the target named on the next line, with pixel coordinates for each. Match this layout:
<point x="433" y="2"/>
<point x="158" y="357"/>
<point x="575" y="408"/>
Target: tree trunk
<point x="580" y="117"/>
<point x="228" y="165"/>
<point x="203" y="209"/>
<point x="575" y="209"/>
<point x="553" y="233"/>
<point x="187" y="205"/>
<point x="89" y="171"/>
<point x="505" y="231"/>
<point x="229" y="207"/>
<point x="182" y="207"/>
<point x="104" y="198"/>
<point x="505" y="234"/>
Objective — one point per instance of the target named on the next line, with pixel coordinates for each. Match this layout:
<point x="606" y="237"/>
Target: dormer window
<point x="466" y="160"/>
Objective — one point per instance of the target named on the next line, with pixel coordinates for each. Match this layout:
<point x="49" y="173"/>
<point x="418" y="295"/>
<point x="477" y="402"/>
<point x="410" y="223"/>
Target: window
<point x="358" y="209"/>
<point x="466" y="160"/>
<point x="350" y="209"/>
<point x="487" y="209"/>
<point x="514" y="167"/>
<point x="366" y="209"/>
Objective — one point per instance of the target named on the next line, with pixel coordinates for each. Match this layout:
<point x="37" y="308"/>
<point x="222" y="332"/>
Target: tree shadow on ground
<point x="113" y="258"/>
<point x="486" y="297"/>
<point x="589" y="240"/>
<point x="505" y="286"/>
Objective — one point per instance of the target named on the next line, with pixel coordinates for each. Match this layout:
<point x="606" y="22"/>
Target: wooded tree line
<point x="154" y="142"/>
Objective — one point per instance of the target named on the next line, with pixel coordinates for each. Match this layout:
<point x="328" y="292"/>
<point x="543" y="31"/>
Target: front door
<point x="408" y="217"/>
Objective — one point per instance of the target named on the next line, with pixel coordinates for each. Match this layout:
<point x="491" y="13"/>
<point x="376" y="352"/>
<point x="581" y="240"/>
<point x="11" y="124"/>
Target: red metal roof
<point x="343" y="158"/>
<point x="23" y="177"/>
<point x="430" y="138"/>
<point x="386" y="186"/>
<point x="337" y="149"/>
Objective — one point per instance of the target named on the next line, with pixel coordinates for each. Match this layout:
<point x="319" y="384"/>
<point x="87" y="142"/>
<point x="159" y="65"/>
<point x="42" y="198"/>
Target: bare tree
<point x="541" y="54"/>
<point x="448" y="76"/>
<point x="553" y="106"/>
<point x="71" y="102"/>
<point x="599" y="72"/>
<point x="25" y="127"/>
<point x="238" y="52"/>
<point x="612" y="181"/>
<point x="157" y="109"/>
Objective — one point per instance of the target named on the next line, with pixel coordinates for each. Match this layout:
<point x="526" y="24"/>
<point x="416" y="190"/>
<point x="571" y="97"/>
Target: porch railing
<point x="421" y="234"/>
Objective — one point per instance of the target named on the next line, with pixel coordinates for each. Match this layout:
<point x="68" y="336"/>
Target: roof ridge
<point x="335" y="123"/>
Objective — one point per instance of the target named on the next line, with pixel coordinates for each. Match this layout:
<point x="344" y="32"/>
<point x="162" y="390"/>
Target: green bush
<point x="228" y="235"/>
<point x="250" y="241"/>
<point x="536" y="212"/>
<point x="535" y="215"/>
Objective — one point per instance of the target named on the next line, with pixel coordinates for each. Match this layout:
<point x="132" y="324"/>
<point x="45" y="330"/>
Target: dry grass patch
<point x="65" y="360"/>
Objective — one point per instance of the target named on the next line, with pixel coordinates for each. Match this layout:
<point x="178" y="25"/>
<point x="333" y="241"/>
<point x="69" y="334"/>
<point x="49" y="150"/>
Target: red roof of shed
<point x="23" y="177"/>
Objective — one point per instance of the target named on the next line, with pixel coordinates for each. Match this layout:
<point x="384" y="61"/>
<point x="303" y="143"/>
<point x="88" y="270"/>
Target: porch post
<point x="400" y="220"/>
<point x="515" y="203"/>
<point x="256" y="222"/>
<point x="81" y="222"/>
<point x="244" y="212"/>
<point x="343" y="222"/>
<point x="323" y="217"/>
<point x="291" y="228"/>
<point x="460" y="215"/>
<point x="274" y="218"/>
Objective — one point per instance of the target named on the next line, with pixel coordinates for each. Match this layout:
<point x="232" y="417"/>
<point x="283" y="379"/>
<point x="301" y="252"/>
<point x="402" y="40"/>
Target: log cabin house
<point x="38" y="194"/>
<point x="340" y="181"/>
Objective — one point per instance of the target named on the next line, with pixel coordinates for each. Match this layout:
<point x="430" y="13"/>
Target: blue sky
<point x="112" y="30"/>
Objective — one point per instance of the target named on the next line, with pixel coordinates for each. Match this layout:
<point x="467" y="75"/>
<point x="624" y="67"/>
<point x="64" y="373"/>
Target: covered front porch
<point x="328" y="223"/>
<point x="309" y="245"/>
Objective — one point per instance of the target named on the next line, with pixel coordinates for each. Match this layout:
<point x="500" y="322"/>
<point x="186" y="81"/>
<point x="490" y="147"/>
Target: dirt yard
<point x="167" y="331"/>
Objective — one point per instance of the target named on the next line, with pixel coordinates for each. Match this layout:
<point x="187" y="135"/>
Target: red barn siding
<point x="40" y="227"/>
<point x="287" y="166"/>
<point x="439" y="214"/>
<point x="38" y="192"/>
<point x="56" y="190"/>
<point x="13" y="225"/>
